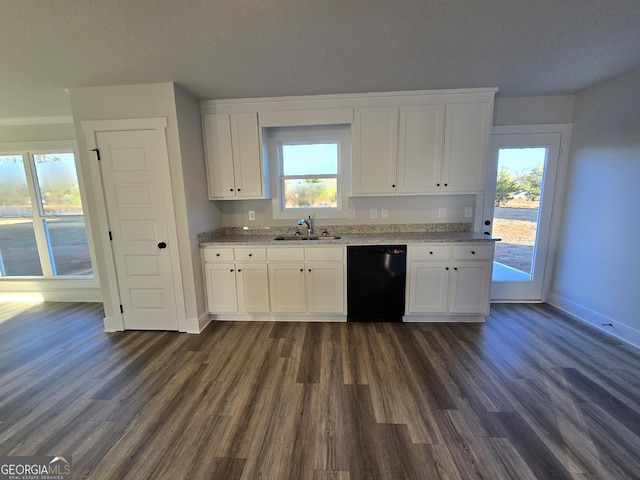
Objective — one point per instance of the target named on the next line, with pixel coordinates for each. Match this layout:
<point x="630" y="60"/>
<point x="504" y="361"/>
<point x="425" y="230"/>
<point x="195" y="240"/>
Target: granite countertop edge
<point x="352" y="239"/>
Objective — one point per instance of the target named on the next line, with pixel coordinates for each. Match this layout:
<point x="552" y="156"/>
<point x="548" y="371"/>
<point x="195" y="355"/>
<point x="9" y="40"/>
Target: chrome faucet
<point x="302" y="221"/>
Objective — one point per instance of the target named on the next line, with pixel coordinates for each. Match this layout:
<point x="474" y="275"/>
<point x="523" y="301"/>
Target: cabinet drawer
<point x="473" y="252"/>
<point x="430" y="252"/>
<point x="286" y="254"/>
<point x="218" y="254"/>
<point x="321" y="254"/>
<point x="250" y="254"/>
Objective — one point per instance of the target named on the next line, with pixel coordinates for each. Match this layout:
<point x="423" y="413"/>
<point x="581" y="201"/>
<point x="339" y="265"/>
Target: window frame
<point x="306" y="135"/>
<point x="38" y="217"/>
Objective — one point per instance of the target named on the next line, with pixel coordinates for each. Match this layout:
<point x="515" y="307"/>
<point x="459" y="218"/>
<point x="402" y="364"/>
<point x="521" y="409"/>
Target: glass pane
<point x="18" y="249"/>
<point x="68" y="240"/>
<point x="520" y="174"/>
<point x="14" y="194"/>
<point x="311" y="193"/>
<point x="310" y="159"/>
<point x="58" y="183"/>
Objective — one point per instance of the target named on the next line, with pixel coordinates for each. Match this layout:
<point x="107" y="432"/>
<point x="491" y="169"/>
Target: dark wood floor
<point x="531" y="394"/>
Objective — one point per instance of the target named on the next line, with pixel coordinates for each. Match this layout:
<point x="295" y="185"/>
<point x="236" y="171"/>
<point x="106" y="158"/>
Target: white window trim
<point x="339" y="133"/>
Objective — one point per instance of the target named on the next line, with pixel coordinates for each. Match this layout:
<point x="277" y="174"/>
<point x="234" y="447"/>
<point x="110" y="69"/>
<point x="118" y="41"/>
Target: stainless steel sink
<point x="307" y="237"/>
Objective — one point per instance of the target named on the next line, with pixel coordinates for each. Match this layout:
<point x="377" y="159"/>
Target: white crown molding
<point x="22" y="121"/>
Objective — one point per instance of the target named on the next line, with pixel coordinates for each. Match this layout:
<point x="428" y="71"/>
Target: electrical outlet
<point x="352" y="213"/>
<point x="468" y="212"/>
<point x="373" y="213"/>
<point x="442" y="212"/>
<point x="384" y="213"/>
<point x="252" y="215"/>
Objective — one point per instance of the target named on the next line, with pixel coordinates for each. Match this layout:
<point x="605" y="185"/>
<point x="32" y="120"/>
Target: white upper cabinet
<point x="234" y="163"/>
<point x="467" y="133"/>
<point x="374" y="140"/>
<point x="439" y="148"/>
<point x="403" y="143"/>
<point x="420" y="148"/>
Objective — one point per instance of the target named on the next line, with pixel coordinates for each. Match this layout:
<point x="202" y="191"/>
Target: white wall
<point x="597" y="274"/>
<point x="533" y="110"/>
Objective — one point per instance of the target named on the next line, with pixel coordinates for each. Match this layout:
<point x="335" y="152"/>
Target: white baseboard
<point x="279" y="317"/>
<point x="603" y="323"/>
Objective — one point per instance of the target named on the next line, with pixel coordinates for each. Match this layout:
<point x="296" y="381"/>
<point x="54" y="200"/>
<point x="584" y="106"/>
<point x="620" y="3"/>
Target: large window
<point x="42" y="228"/>
<point x="312" y="171"/>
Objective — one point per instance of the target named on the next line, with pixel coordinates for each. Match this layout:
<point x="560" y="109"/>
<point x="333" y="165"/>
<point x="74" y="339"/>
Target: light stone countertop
<point x="351" y="238"/>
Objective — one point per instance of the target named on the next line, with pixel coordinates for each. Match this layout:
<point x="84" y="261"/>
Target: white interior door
<point x="521" y="182"/>
<point x="137" y="208"/>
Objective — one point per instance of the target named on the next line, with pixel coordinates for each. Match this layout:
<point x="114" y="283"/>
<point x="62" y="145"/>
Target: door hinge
<point x="97" y="152"/>
<point x="110" y="236"/>
<point x="121" y="309"/>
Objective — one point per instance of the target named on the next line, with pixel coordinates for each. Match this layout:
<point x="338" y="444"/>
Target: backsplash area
<point x="338" y="229"/>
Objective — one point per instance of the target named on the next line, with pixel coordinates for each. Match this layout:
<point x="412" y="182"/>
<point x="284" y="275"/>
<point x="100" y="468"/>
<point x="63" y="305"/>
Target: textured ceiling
<point x="252" y="48"/>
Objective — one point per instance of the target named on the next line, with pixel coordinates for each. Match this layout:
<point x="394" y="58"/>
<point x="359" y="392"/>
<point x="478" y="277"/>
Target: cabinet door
<point x="253" y="287"/>
<point x="374" y="143"/>
<point x="217" y="133"/>
<point x="221" y="287"/>
<point x="470" y="286"/>
<point x="467" y="134"/>
<point x="287" y="286"/>
<point x="325" y="287"/>
<point x="247" y="166"/>
<point x="428" y="287"/>
<point x="420" y="146"/>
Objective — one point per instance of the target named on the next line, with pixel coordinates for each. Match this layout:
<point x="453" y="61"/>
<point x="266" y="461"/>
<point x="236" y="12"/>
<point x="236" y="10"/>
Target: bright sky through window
<point x="310" y="159"/>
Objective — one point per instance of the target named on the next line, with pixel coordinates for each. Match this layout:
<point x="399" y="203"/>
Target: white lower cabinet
<point x="315" y="284"/>
<point x="241" y="286"/>
<point x="274" y="280"/>
<point x="449" y="279"/>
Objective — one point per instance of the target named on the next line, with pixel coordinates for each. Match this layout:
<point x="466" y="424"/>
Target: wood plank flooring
<point x="530" y="394"/>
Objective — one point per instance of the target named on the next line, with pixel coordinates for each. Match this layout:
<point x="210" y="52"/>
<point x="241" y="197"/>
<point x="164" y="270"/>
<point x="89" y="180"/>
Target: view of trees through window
<point x="518" y="189"/>
<point x="42" y="228"/>
<point x="310" y="175"/>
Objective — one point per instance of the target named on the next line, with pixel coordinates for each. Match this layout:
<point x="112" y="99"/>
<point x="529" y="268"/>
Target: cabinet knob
<point x="487" y="233"/>
<point x="162" y="245"/>
<point x="251" y="254"/>
<point x="446" y="184"/>
<point x="487" y="222"/>
<point x="239" y="269"/>
<point x="437" y="184"/>
<point x="302" y="269"/>
<point x="217" y="254"/>
<point x="430" y="253"/>
<point x="446" y="268"/>
<point x="231" y="189"/>
<point x="473" y="252"/>
<point x="309" y="269"/>
<point x="231" y="270"/>
<point x="393" y="185"/>
<point x="238" y="189"/>
<point x="455" y="268"/>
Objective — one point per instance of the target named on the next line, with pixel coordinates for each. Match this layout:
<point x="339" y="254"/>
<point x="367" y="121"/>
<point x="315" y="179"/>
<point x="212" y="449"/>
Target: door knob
<point x="162" y="245"/>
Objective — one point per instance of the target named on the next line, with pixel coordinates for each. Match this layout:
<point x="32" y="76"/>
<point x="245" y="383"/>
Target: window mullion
<point x="42" y="238"/>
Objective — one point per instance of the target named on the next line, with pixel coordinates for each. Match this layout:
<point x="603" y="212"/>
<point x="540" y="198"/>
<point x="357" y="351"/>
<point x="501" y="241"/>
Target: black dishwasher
<point x="376" y="283"/>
